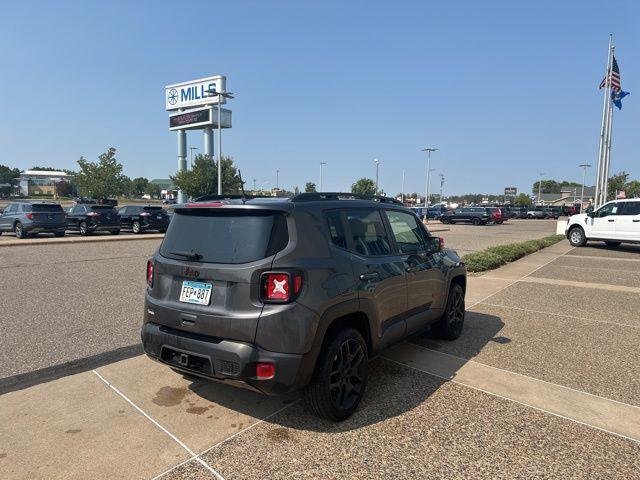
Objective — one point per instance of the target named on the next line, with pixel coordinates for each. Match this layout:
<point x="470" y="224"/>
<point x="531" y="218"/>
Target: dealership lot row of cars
<point x="496" y="214"/>
<point x="26" y="218"/>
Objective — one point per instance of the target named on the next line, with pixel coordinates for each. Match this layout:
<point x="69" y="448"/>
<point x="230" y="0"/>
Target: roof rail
<point x="316" y="196"/>
<point x="206" y="198"/>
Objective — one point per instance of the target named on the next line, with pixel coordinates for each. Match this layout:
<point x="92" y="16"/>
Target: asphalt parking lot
<point x="542" y="384"/>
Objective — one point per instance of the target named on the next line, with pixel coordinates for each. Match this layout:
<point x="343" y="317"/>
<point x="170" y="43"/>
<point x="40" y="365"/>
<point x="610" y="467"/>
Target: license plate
<point x="195" y="292"/>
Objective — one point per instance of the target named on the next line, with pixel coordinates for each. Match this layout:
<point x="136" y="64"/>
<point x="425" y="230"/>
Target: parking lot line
<point x="194" y="456"/>
<point x="573" y="283"/>
<point x="589" y="320"/>
<point x="610" y="416"/>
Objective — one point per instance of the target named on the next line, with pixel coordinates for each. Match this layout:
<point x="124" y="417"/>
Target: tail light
<point x="441" y="243"/>
<point x="145" y="214"/>
<point x="93" y="214"/>
<point x="279" y="287"/>
<point x="29" y="216"/>
<point x="150" y="273"/>
<point x="265" y="371"/>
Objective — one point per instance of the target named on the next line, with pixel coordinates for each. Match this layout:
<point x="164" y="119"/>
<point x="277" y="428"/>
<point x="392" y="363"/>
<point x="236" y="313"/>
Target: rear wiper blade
<point x="192" y="255"/>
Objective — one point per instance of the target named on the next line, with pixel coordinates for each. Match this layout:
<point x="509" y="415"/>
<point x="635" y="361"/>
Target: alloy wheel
<point x="346" y="382"/>
<point x="455" y="313"/>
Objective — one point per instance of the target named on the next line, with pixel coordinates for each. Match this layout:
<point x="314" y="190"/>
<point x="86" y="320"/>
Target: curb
<point x="57" y="241"/>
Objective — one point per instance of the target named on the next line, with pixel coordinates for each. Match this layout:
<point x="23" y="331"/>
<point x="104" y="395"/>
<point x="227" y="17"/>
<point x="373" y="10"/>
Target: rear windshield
<point x="44" y="207"/>
<point x="224" y="237"/>
<point x="101" y="208"/>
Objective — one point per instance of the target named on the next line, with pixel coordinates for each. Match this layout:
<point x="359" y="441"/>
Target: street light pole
<point x="277" y="181"/>
<point x="322" y="164"/>
<point x="220" y="96"/>
<point x="441" y="185"/>
<point x="540" y="187"/>
<point x="402" y="193"/>
<point x="377" y="162"/>
<point x="584" y="167"/>
<point x="428" y="187"/>
<point x="191" y="149"/>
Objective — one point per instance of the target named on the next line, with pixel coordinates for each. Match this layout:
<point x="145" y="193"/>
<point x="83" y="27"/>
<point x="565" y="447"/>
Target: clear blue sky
<point x="504" y="89"/>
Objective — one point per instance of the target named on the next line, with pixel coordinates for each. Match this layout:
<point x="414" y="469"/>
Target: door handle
<point x="611" y="220"/>
<point x="369" y="276"/>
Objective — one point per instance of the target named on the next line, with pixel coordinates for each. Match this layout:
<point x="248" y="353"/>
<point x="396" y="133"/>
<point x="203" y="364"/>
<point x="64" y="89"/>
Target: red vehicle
<point x="497" y="215"/>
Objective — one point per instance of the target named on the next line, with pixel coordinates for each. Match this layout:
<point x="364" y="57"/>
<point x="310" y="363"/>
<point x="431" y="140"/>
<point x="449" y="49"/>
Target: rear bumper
<point x="45" y="228"/>
<point x="221" y="359"/>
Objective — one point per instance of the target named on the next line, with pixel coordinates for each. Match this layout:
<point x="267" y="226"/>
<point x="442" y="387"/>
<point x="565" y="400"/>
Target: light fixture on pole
<point x="377" y="162"/>
<point x="220" y="96"/>
<point x="540" y="187"/>
<point x="584" y="167"/>
<point x="191" y="149"/>
<point x="428" y="187"/>
<point x="322" y="164"/>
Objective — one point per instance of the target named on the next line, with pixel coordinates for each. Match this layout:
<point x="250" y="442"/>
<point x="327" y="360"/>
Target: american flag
<point x="615" y="76"/>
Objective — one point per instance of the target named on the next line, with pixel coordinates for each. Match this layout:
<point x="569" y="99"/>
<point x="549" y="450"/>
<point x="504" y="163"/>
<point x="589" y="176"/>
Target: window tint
<point x="11" y="208"/>
<point x="151" y="209"/>
<point x="367" y="231"/>
<point x="631" y="208"/>
<point x="408" y="234"/>
<point x="612" y="208"/>
<point x="336" y="229"/>
<point x="101" y="208"/>
<point x="47" y="207"/>
<point x="225" y="237"/>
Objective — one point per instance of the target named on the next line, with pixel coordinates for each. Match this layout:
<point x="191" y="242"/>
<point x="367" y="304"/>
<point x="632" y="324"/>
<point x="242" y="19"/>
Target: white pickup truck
<point x="613" y="223"/>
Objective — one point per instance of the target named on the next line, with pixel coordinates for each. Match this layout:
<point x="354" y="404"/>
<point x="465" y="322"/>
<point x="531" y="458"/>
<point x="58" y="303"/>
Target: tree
<point x="8" y="175"/>
<point x="364" y="186"/>
<point x="522" y="200"/>
<point x="548" y="186"/>
<point x="153" y="190"/>
<point x="139" y="186"/>
<point x="45" y="169"/>
<point x="616" y="183"/>
<point x="632" y="189"/>
<point x="310" y="187"/>
<point x="65" y="189"/>
<point x="101" y="179"/>
<point x="202" y="179"/>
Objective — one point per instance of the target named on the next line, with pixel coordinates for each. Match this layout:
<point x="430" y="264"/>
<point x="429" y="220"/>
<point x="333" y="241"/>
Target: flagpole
<point x="607" y="163"/>
<point x="603" y="130"/>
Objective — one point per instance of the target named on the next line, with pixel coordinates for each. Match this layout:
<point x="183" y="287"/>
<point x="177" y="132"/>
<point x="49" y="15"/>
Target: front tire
<point x="577" y="237"/>
<point x="444" y="220"/>
<point x="612" y="244"/>
<point x="476" y="221"/>
<point x="449" y="327"/>
<point x="115" y="232"/>
<point x="59" y="234"/>
<point x="340" y="377"/>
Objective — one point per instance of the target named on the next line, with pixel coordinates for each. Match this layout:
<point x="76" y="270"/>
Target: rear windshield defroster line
<point x="220" y="236"/>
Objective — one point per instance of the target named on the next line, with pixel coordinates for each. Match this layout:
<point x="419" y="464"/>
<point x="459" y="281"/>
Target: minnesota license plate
<point x="196" y="292"/>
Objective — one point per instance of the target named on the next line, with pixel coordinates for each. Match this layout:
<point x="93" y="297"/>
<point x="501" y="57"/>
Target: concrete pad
<point x="593" y="357"/>
<point x="597" y="249"/>
<point x="411" y="425"/>
<point x="77" y="428"/>
<point x="480" y="287"/>
<point x="201" y="413"/>
<point x="16" y="242"/>
<point x="599" y="263"/>
<point x="614" y="417"/>
<point x="589" y="274"/>
<point x="192" y="470"/>
<point x="581" y="284"/>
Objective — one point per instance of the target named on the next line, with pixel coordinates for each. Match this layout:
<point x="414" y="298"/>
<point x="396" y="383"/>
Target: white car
<point x="613" y="223"/>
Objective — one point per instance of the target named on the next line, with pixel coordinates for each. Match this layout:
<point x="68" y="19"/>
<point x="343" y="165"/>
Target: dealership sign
<point x="198" y="118"/>
<point x="194" y="93"/>
<point x="510" y="191"/>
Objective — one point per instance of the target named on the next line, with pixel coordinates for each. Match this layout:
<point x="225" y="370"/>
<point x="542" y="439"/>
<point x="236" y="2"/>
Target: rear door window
<point x="367" y="232"/>
<point x="224" y="236"/>
<point x="631" y="208"/>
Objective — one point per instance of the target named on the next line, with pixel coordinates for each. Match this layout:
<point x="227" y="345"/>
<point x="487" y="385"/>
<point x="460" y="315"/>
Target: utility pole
<point x="584" y="167"/>
<point x="377" y="162"/>
<point x="428" y="187"/>
<point x="441" y="186"/>
<point x="277" y="181"/>
<point x="540" y="187"/>
<point x="254" y="186"/>
<point x="402" y="193"/>
<point x="322" y="164"/>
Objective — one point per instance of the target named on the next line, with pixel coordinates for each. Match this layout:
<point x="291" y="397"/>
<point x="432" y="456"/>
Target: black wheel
<point x="135" y="226"/>
<point x="476" y="221"/>
<point x="445" y="220"/>
<point x="499" y="222"/>
<point x="577" y="237"/>
<point x="115" y="232"/>
<point x="612" y="244"/>
<point x="59" y="234"/>
<point x="84" y="230"/>
<point x="340" y="377"/>
<point x="449" y="327"/>
<point x="163" y="230"/>
<point x="18" y="229"/>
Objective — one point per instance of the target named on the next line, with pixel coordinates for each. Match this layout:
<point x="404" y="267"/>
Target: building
<point x="167" y="189"/>
<point x="32" y="183"/>
<point x="568" y="196"/>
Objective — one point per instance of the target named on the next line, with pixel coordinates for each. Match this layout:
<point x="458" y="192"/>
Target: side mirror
<point x="591" y="214"/>
<point x="436" y="244"/>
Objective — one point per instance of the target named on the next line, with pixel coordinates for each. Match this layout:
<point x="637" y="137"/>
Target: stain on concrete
<point x="170" y="396"/>
<point x="3" y="455"/>
<point x="120" y="412"/>
<point x="278" y="435"/>
<point x="197" y="410"/>
<point x="74" y="430"/>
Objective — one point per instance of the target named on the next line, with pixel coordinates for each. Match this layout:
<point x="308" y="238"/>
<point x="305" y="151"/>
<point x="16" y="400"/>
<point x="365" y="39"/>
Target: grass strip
<point x="494" y="257"/>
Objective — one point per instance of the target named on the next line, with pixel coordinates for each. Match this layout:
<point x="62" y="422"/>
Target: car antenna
<point x="244" y="199"/>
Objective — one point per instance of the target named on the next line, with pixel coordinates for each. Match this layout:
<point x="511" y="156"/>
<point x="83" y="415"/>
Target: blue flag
<point x="617" y="96"/>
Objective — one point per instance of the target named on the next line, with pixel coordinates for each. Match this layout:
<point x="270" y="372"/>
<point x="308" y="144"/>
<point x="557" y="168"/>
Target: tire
<point x="449" y="327"/>
<point x="577" y="237"/>
<point x="115" y="232"/>
<point x="344" y="358"/>
<point x="84" y="230"/>
<point x="18" y="229"/>
<point x="59" y="234"/>
<point x="612" y="244"/>
<point x="445" y="220"/>
<point x="163" y="230"/>
<point x="135" y="227"/>
<point x="476" y="221"/>
<point x="499" y="222"/>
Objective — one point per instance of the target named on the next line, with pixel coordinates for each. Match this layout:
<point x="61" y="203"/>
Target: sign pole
<point x="182" y="158"/>
<point x="208" y="142"/>
<point x="219" y="145"/>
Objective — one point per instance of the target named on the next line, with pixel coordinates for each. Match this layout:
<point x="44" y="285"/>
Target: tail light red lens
<point x="441" y="243"/>
<point x="150" y="273"/>
<point x="279" y="287"/>
<point x="29" y="216"/>
<point x="265" y="371"/>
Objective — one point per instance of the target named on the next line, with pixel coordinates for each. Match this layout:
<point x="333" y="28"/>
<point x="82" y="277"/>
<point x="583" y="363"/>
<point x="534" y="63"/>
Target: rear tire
<point x="612" y="244"/>
<point x="577" y="237"/>
<point x="444" y="220"/>
<point x="84" y="230"/>
<point x="115" y="232"/>
<point x="476" y="221"/>
<point x="135" y="227"/>
<point x="340" y="377"/>
<point x="18" y="229"/>
<point x="449" y="327"/>
<point x="59" y="234"/>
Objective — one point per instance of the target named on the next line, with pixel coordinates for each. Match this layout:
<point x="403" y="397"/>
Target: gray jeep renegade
<point x="287" y="294"/>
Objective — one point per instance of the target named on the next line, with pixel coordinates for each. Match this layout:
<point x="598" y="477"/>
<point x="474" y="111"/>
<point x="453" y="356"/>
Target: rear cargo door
<point x="48" y="215"/>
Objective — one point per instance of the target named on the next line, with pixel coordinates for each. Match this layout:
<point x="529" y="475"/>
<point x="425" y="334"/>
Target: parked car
<point x="540" y="212"/>
<point x="474" y="215"/>
<point x="555" y="211"/>
<point x="89" y="218"/>
<point x="169" y="201"/>
<point x="519" y="212"/>
<point x="25" y="218"/>
<point x="141" y="218"/>
<point x="500" y="215"/>
<point x="240" y="291"/>
<point x="613" y="223"/>
<point x="436" y="211"/>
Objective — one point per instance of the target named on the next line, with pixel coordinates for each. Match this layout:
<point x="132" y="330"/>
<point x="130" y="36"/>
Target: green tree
<point x="8" y="175"/>
<point x="364" y="186"/>
<point x="65" y="189"/>
<point x="139" y="186"/>
<point x="45" y="169"/>
<point x="616" y="182"/>
<point x="310" y="187"/>
<point x="522" y="200"/>
<point x="101" y="179"/>
<point x="153" y="190"/>
<point x="202" y="179"/>
<point x="632" y="189"/>
<point x="548" y="186"/>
